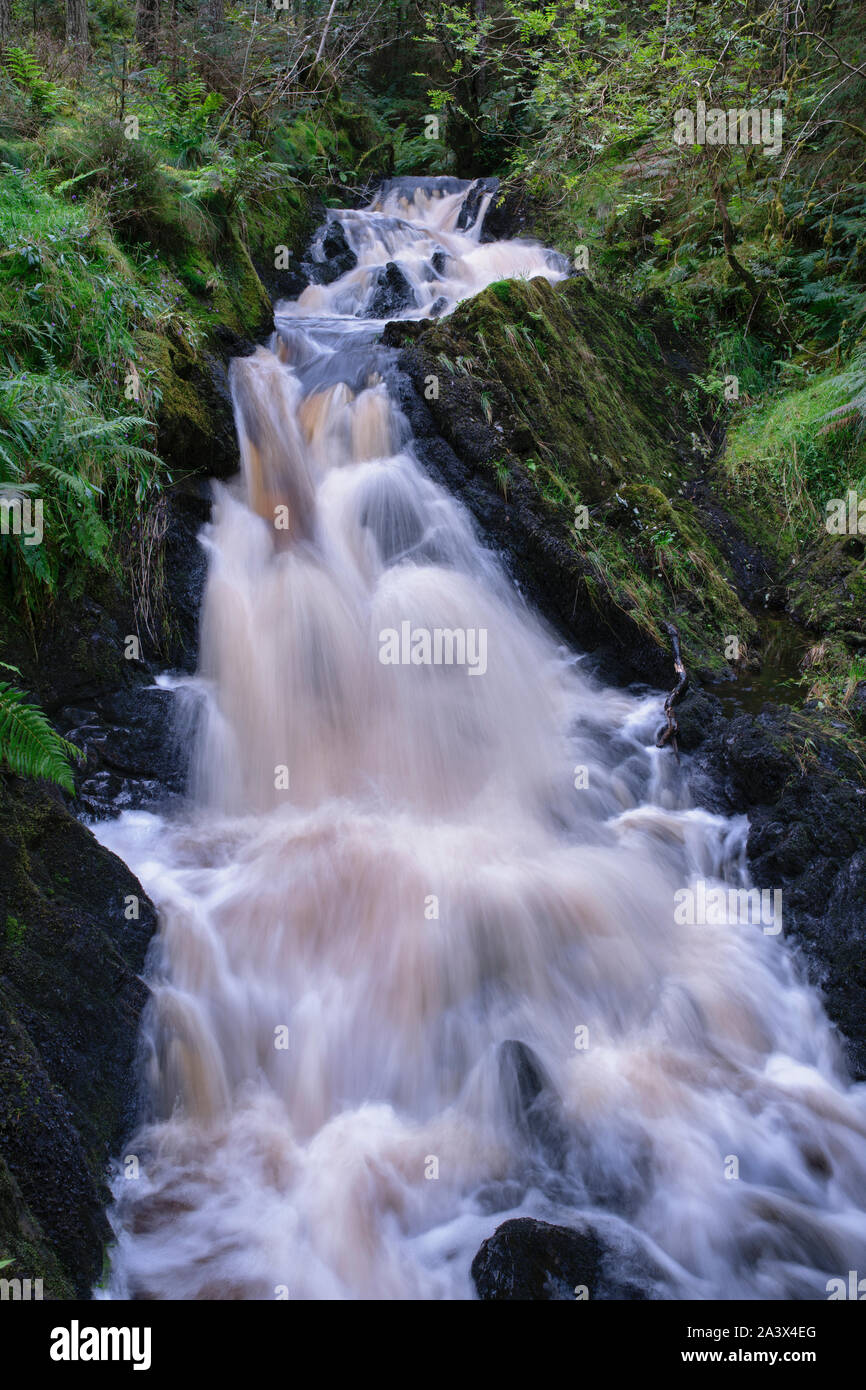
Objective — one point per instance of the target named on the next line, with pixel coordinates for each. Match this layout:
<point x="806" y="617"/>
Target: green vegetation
<point x="757" y="255"/>
<point x="28" y="744"/>
<point x="798" y="446"/>
<point x="15" y="931"/>
<point x="585" y="410"/>
<point x="134" y="193"/>
<point x="139" y="182"/>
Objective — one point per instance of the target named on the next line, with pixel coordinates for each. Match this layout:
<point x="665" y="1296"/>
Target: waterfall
<point x="423" y="962"/>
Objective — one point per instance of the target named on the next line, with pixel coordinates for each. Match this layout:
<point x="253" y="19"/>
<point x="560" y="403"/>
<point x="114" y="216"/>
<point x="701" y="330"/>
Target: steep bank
<point x="567" y="414"/>
<point x="74" y="930"/>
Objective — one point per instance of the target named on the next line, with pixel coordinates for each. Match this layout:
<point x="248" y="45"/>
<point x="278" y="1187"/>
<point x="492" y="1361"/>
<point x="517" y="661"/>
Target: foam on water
<point x="435" y="883"/>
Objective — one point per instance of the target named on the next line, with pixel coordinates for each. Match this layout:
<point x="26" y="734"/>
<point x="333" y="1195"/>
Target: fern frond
<point x="29" y="745"/>
<point x="103" y="429"/>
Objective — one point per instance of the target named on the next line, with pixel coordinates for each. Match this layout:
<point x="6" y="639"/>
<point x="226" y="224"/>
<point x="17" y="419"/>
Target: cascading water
<point x="408" y="894"/>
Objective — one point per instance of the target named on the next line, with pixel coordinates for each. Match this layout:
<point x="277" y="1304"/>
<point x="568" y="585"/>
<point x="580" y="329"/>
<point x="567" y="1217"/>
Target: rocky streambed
<point x="547" y="400"/>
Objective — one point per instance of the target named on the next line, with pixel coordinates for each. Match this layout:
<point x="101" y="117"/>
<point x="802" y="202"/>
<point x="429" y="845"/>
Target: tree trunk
<point x="321" y="47"/>
<point x="212" y="13"/>
<point x="76" y="26"/>
<point x="667" y="27"/>
<point x="147" y="28"/>
<point x="5" y="18"/>
<point x="729" y="235"/>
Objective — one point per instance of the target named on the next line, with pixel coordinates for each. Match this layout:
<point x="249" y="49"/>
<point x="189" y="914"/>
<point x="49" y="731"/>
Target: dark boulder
<point x="757" y="765"/>
<point x="329" y="256"/>
<point x="392" y="293"/>
<point x="473" y="202"/>
<point x="134" y="759"/>
<point x="533" y="1108"/>
<point x="286" y="281"/>
<point x="802" y="789"/>
<point x="527" y="1261"/>
<point x="509" y="214"/>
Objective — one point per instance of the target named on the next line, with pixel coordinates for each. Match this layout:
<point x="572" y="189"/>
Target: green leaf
<point x="29" y="745"/>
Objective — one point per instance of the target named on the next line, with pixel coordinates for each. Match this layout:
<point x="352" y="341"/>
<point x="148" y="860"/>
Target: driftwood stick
<point x="669" y="733"/>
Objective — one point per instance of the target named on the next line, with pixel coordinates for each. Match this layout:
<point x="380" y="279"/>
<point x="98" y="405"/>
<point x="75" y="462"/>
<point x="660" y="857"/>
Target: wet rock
<point x="803" y="791"/>
<point x="756" y="764"/>
<point x="134" y="759"/>
<point x="288" y="282"/>
<point x="138" y="722"/>
<point x="527" y="1260"/>
<point x="510" y="214"/>
<point x="185" y="574"/>
<point x="329" y="256"/>
<point x="473" y="203"/>
<point x="534" y="1109"/>
<point x="699" y="715"/>
<point x="392" y="293"/>
<point x="74" y="928"/>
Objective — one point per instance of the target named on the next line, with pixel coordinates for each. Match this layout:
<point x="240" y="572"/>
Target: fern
<point x="853" y="412"/>
<point x="90" y="470"/>
<point x="26" y="73"/>
<point x="852" y="384"/>
<point x="29" y="745"/>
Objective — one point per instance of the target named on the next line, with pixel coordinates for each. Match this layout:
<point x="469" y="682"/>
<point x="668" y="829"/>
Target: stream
<point x="424" y="963"/>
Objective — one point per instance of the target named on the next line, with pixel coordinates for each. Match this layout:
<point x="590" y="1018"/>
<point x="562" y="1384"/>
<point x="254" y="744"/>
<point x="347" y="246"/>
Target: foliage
<point x="27" y="74"/>
<point x="28" y="744"/>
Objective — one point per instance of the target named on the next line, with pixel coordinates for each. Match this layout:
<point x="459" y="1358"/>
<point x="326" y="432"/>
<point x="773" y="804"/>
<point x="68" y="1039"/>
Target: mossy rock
<point x="195" y="424"/>
<point x="563" y="401"/>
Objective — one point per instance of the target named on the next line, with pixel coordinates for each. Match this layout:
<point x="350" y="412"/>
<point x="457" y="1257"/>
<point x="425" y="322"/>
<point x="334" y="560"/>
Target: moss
<point x="782" y="461"/>
<point x="287" y="217"/>
<point x="196" y="271"/>
<point x="780" y="466"/>
<point x="656" y="558"/>
<point x="502" y="290"/>
<point x="167" y="368"/>
<point x="15" y="931"/>
<point x="586" y="400"/>
<point x="578" y="403"/>
<point x="242" y="301"/>
<point x="23" y="1241"/>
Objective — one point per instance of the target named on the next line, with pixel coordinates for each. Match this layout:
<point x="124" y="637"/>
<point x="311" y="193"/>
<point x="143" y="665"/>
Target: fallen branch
<point x="669" y="734"/>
